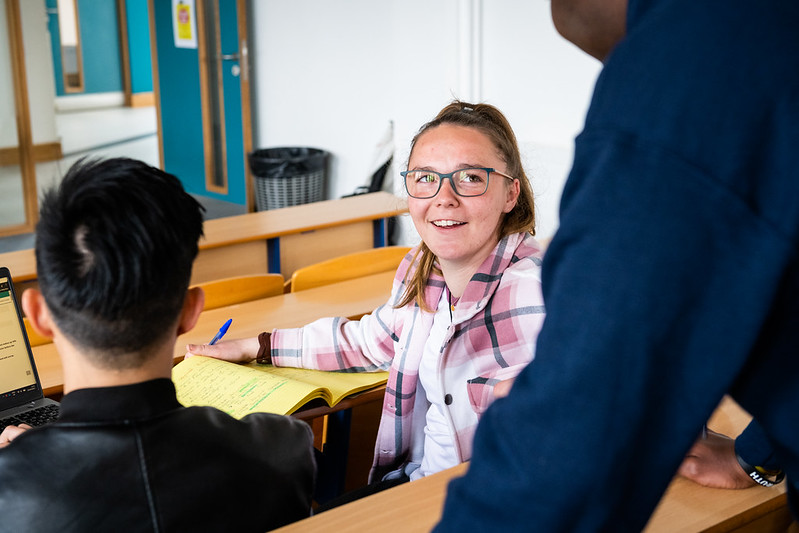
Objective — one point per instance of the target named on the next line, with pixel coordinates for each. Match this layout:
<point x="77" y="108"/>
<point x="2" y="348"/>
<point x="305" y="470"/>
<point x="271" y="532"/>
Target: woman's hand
<point x="711" y="462"/>
<point x="12" y="432"/>
<point x="236" y="350"/>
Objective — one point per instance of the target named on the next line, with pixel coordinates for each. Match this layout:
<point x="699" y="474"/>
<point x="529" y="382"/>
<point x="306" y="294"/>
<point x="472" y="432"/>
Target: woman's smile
<point x="460" y="230"/>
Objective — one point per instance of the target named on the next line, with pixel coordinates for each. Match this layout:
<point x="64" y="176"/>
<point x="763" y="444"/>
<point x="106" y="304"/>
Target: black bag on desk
<point x="375" y="185"/>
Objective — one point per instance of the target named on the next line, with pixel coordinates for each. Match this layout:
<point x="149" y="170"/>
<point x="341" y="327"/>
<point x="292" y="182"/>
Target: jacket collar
<point x="128" y="402"/>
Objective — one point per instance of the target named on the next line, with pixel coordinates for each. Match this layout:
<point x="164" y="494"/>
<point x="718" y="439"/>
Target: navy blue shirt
<point x="672" y="280"/>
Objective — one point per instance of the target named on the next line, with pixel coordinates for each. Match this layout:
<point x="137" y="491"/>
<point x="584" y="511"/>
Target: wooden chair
<point x="218" y="293"/>
<point x="347" y="267"/>
<point x="331" y="433"/>
<point x="34" y="338"/>
<point x="235" y="290"/>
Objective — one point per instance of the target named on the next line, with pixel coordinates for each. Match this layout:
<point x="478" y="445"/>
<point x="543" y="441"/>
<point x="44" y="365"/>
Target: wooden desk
<point x="685" y="507"/>
<point x="22" y="265"/>
<point x="349" y="298"/>
<point x="279" y="240"/>
<point x="414" y="506"/>
<point x="282" y="240"/>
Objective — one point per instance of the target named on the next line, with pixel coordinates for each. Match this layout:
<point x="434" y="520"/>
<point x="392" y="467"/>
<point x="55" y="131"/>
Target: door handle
<point x="229" y="57"/>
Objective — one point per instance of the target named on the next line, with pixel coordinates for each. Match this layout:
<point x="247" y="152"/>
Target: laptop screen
<point x="18" y="380"/>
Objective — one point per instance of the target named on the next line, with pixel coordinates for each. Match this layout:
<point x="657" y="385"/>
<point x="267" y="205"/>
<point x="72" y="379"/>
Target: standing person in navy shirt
<point x="673" y="278"/>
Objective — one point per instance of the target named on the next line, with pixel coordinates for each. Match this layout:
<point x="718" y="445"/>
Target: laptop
<point x="21" y="397"/>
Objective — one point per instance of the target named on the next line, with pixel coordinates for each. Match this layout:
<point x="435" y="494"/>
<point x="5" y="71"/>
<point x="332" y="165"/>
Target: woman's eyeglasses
<point x="467" y="182"/>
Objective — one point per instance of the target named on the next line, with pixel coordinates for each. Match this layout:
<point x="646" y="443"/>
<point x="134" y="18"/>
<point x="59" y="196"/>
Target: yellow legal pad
<point x="243" y="389"/>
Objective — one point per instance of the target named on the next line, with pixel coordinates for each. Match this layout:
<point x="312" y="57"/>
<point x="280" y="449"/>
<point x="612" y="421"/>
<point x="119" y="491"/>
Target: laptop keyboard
<point x="35" y="417"/>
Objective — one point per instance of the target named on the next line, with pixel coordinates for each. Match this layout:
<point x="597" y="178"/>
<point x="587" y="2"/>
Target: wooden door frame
<point x="205" y="97"/>
<point x="205" y="101"/>
<point x="156" y="80"/>
<point x="23" y="119"/>
<point x="246" y="104"/>
<point x="78" y="52"/>
<point x="124" y="52"/>
<point x="246" y="109"/>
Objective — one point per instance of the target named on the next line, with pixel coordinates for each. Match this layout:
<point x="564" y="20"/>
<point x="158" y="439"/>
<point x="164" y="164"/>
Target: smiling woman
<point x="464" y="311"/>
<point x="460" y="230"/>
<point x="460" y="223"/>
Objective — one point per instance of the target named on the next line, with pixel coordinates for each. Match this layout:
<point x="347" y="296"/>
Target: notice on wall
<point x="184" y="23"/>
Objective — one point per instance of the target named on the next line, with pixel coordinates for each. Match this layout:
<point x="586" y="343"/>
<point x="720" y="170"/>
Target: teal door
<point x="203" y="96"/>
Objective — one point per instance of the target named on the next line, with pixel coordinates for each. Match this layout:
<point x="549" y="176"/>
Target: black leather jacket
<point x="133" y="459"/>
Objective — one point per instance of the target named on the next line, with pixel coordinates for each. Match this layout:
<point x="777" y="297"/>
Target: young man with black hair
<point x="114" y="250"/>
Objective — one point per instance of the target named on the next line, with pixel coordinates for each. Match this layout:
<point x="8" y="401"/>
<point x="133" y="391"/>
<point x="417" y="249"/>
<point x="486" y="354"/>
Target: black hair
<point x="115" y="244"/>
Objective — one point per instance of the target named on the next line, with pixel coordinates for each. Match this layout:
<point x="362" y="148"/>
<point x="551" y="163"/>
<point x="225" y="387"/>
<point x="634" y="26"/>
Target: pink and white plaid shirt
<point x="492" y="337"/>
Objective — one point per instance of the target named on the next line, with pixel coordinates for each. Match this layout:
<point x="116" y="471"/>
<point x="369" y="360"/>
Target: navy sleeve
<point x="651" y="312"/>
<point x="674" y="266"/>
<point x="754" y="447"/>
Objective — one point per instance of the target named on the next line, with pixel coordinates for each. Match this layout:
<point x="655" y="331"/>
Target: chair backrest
<point x="348" y="266"/>
<point x="236" y="290"/>
<point x="34" y="338"/>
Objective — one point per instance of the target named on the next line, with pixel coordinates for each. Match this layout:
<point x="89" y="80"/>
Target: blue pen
<point x="221" y="332"/>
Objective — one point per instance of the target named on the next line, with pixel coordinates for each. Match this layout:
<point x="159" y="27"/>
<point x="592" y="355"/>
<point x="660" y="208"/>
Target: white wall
<point x="543" y="84"/>
<point x="333" y="75"/>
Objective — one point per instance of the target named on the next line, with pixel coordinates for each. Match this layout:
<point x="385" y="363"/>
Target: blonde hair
<point x="490" y="121"/>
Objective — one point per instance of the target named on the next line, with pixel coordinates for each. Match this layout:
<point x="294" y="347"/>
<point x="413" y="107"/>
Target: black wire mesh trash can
<point x="288" y="176"/>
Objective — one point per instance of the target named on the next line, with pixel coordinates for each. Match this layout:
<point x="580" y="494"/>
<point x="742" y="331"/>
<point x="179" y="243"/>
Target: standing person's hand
<point x="711" y="462"/>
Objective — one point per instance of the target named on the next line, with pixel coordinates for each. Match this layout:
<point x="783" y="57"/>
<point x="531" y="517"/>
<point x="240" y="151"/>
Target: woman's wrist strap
<point x="264" y="355"/>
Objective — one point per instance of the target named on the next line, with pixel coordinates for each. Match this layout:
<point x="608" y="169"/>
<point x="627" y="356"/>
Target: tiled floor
<point x="111" y="132"/>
